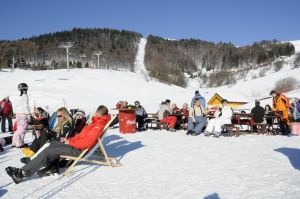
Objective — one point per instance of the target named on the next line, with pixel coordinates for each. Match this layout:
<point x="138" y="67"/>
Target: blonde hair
<point x="102" y="110"/>
<point x="67" y="119"/>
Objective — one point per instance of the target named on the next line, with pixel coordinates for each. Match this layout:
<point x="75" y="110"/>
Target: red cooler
<point x="295" y="128"/>
<point x="127" y="121"/>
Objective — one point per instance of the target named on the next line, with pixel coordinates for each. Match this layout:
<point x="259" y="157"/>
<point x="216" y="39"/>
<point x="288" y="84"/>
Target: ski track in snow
<point x="139" y="61"/>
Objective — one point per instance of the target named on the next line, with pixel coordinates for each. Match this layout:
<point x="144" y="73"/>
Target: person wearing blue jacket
<point x="141" y="116"/>
<point x="201" y="99"/>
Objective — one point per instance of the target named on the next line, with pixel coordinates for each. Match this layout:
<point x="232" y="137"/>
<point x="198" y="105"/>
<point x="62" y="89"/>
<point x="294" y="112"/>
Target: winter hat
<point x="197" y="92"/>
<point x="272" y="92"/>
<point x="168" y="101"/>
<point x="22" y="87"/>
<point x="80" y="111"/>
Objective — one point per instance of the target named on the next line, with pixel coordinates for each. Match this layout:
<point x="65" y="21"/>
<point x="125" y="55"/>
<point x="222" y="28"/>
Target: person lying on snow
<point x="87" y="138"/>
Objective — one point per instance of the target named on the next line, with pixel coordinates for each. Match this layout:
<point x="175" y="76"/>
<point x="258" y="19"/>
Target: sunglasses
<point x="59" y="115"/>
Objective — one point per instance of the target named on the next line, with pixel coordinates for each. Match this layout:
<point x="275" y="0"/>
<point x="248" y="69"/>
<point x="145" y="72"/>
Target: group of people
<point x="281" y="108"/>
<point x="197" y="121"/>
<point x="168" y="114"/>
<point x="71" y="134"/>
<point x="20" y="111"/>
<point x="60" y="144"/>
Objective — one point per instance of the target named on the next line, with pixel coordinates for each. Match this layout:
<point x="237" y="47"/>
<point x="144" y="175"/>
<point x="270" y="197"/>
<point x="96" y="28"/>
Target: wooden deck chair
<point x="86" y="154"/>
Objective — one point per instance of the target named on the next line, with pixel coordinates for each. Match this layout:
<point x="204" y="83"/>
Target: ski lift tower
<point x="67" y="45"/>
<point x="98" y="53"/>
<point x="13" y="64"/>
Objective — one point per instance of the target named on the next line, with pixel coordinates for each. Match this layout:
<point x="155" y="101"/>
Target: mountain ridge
<point x="169" y="61"/>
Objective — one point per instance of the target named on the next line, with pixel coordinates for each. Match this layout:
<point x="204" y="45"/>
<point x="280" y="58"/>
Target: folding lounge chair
<point x="86" y="154"/>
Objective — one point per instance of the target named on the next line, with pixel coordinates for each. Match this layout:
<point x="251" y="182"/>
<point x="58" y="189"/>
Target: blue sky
<point x="238" y="21"/>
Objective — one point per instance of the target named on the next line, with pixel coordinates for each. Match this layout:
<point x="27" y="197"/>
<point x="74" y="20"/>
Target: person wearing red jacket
<point x="6" y="114"/>
<point x="87" y="138"/>
<point x="185" y="113"/>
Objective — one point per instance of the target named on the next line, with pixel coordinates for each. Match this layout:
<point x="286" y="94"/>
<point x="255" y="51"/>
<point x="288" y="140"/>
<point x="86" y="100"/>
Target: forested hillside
<point x="170" y="61"/>
<point x="118" y="47"/>
<point x="167" y="60"/>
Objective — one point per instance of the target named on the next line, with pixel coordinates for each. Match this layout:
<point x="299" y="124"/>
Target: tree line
<point x="118" y="47"/>
<point x="170" y="61"/>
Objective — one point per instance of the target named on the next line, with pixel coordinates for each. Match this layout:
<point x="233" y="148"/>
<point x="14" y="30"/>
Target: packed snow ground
<point x="160" y="164"/>
<point x="156" y="164"/>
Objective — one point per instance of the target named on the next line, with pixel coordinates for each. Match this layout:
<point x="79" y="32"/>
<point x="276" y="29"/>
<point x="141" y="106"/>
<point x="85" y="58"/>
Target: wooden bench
<point x="231" y="129"/>
<point x="261" y="128"/>
<point x="153" y="121"/>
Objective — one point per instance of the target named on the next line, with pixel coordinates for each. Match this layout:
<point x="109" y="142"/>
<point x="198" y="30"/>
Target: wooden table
<point x="243" y="119"/>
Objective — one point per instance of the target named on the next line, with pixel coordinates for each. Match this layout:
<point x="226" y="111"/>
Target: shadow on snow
<point x="293" y="155"/>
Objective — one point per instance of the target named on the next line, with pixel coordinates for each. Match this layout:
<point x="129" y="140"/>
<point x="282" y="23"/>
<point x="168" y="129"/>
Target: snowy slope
<point x="296" y="43"/>
<point x="89" y="88"/>
<point x="157" y="164"/>
<point x="139" y="60"/>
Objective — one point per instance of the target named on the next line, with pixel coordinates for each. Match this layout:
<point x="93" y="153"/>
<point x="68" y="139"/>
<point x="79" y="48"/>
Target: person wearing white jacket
<point x="22" y="113"/>
<point x="223" y="117"/>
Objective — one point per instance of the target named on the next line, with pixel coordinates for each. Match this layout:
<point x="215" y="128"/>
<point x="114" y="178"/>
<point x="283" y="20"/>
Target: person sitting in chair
<point x="63" y="128"/>
<point x="79" y="122"/>
<point x="196" y="119"/>
<point x="258" y="115"/>
<point x="165" y="115"/>
<point x="141" y="116"/>
<point x="87" y="138"/>
<point x="223" y="117"/>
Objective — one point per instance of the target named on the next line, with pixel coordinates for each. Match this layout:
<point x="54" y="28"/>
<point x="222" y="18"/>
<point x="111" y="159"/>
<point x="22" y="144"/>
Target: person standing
<point x="201" y="99"/>
<point x="295" y="103"/>
<point x="22" y="114"/>
<point x="6" y="111"/>
<point x="281" y="107"/>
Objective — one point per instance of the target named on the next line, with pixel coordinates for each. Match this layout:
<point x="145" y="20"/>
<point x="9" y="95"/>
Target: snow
<point x="156" y="163"/>
<point x="139" y="61"/>
<point x="296" y="43"/>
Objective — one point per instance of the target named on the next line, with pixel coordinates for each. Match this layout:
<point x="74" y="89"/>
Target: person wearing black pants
<point x="3" y="125"/>
<point x="87" y="138"/>
<point x="49" y="155"/>
<point x="6" y="111"/>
